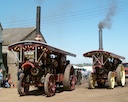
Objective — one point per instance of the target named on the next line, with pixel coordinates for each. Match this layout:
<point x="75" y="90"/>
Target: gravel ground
<point x="80" y="94"/>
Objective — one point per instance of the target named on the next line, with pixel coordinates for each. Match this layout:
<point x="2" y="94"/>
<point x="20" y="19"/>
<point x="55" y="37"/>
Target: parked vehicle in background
<point x="126" y="69"/>
<point x="107" y="67"/>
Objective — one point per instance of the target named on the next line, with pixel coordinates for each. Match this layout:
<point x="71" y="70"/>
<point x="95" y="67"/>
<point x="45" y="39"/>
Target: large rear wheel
<point x="69" y="80"/>
<point x="49" y="85"/>
<point x="120" y="72"/>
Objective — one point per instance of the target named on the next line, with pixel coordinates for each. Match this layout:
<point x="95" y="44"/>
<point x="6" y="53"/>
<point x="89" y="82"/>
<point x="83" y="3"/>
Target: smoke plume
<point x="107" y="21"/>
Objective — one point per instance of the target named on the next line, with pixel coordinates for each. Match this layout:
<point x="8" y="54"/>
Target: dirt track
<point x="80" y="94"/>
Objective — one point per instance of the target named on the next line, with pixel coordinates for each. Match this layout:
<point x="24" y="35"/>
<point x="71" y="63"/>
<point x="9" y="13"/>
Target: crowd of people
<point x="81" y="74"/>
<point x="5" y="82"/>
<point x="78" y="76"/>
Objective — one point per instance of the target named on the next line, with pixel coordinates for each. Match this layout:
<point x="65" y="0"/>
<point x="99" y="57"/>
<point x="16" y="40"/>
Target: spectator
<point x="5" y="83"/>
<point x="79" y="77"/>
<point x="1" y="78"/>
<point x="10" y="81"/>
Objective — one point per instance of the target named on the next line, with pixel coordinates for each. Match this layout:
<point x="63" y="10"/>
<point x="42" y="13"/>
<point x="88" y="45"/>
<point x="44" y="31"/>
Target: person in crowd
<point x="79" y="76"/>
<point x="1" y="78"/>
<point x="8" y="83"/>
<point x="5" y="83"/>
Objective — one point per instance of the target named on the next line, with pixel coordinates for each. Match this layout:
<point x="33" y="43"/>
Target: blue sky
<point x="72" y="25"/>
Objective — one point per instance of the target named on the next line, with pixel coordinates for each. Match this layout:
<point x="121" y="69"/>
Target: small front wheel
<point x="111" y="80"/>
<point x="21" y="87"/>
<point x="91" y="81"/>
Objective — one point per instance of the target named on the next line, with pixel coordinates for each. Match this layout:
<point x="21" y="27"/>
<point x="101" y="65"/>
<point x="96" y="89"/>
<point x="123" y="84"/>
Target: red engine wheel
<point x="69" y="80"/>
<point x="49" y="85"/>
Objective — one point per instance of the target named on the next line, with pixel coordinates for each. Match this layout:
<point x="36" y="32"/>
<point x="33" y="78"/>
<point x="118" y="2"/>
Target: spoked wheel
<point x="21" y="87"/>
<point x="69" y="80"/>
<point x="72" y="82"/>
<point x="91" y="81"/>
<point x="120" y="75"/>
<point x="49" y="85"/>
<point x="111" y="80"/>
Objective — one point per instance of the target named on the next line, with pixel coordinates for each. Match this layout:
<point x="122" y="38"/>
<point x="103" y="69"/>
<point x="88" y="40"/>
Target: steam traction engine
<point x="107" y="67"/>
<point x="42" y="66"/>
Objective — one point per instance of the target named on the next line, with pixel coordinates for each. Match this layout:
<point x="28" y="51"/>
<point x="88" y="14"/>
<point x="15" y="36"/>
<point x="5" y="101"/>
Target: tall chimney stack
<point x="38" y="37"/>
<point x="100" y="40"/>
<point x="38" y="20"/>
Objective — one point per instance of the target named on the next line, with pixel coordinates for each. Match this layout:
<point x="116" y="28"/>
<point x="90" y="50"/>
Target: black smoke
<point x="107" y="21"/>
